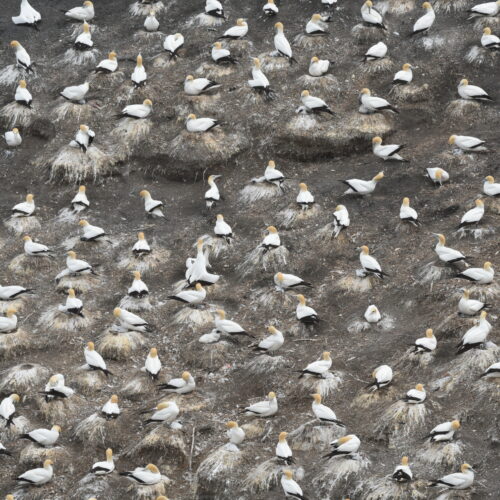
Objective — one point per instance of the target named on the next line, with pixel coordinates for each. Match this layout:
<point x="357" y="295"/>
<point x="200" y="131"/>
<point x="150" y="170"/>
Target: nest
<point x="369" y="398"/>
<point x="76" y="113"/>
<point x="410" y="93"/>
<point x="480" y="55"/>
<point x="475" y="233"/>
<point x="384" y="488"/>
<point x="252" y="193"/>
<point x="33" y="455"/>
<point x="265" y="364"/>
<point x="206" y="356"/>
<point x="82" y="283"/>
<point x="218" y="246"/>
<point x="193" y="318"/>
<point x="449" y="5"/>
<point x="327" y="83"/>
<point x="431" y="43"/>
<point x="397" y="7"/>
<point x="273" y="62"/>
<point x="385" y="324"/>
<point x="120" y="345"/>
<point x="74" y="166"/>
<point x="421" y="359"/>
<point x="447" y="454"/>
<point x="29" y="265"/>
<point x="314" y="43"/>
<point x="150" y="39"/>
<point x="340" y="472"/>
<point x="144" y="263"/>
<point x="291" y="216"/>
<point x="367" y="34"/>
<point x="58" y="410"/>
<point x="147" y="492"/>
<point x="315" y="435"/>
<point x="264" y="477"/>
<point x="205" y="20"/>
<point x="481" y="22"/>
<point x="68" y="322"/>
<point x="431" y="272"/>
<point x="132" y="131"/>
<point x="383" y="65"/>
<point x="462" y="110"/>
<point x="355" y="284"/>
<point x="135" y="304"/>
<point x="95" y="430"/>
<point x="321" y="385"/>
<point x="79" y="57"/>
<point x="205" y="103"/>
<point x="20" y="378"/>
<point x="22" y="225"/>
<point x="214" y="71"/>
<point x="90" y="382"/>
<point x="259" y="260"/>
<point x="11" y="432"/>
<point x="161" y="442"/>
<point x="13" y="344"/>
<point x="11" y="74"/>
<point x="18" y="304"/>
<point x="17" y="115"/>
<point x="137" y="386"/>
<point x="273" y="299"/>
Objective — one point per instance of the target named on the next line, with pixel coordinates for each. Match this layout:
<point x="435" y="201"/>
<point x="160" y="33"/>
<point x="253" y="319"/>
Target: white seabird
<point x="404" y="76"/>
<point x="90" y="232"/>
<point x="73" y="305"/>
<point x="272" y="342"/>
<point x="227" y="326"/>
<point x="490" y="187"/>
<point x="235" y="433"/>
<point x="281" y="44"/>
<point x="340" y="219"/>
<point x="173" y="43"/>
<point x="212" y="196"/>
<point x="474" y="215"/>
<point x="271" y="175"/>
<point x="437" y="175"/>
<point x="318" y="67"/>
<point x="259" y="81"/>
<point x="313" y="27"/>
<point x="11" y="292"/>
<point x="369" y="263"/>
<point x="444" y="431"/>
<point x="314" y="104"/>
<point x="472" y="92"/>
<point x="106" y="467"/>
<point x="283" y="450"/>
<point x="304" y="313"/>
<point x="447" y="254"/>
<point x="222" y="229"/>
<point x="137" y="111"/>
<point x="467" y="143"/>
<point x="109" y="65"/>
<point x="13" y="138"/>
<point x="270" y="8"/>
<point x="83" y="138"/>
<point x="152" y="365"/>
<point x="304" y="199"/>
<point x="427" y="343"/>
<point x="271" y="240"/>
<point x="76" y="93"/>
<point x="372" y="16"/>
<point x="372" y="314"/>
<point x="151" y="23"/>
<point x="402" y="473"/>
<point x="152" y="207"/>
<point x="110" y="409"/>
<point x="23" y="59"/>
<point x="80" y="201"/>
<point x="28" y="15"/>
<point x="94" y="360"/>
<point x="487" y="9"/>
<point x="290" y="487"/>
<point x="214" y="8"/>
<point x="221" y="55"/>
<point x="408" y="214"/>
<point x="84" y="13"/>
<point x="197" y="86"/>
<point x="43" y="437"/>
<point x="457" y="481"/>
<point x="139" y="75"/>
<point x="344" y="446"/>
<point x="183" y="385"/>
<point x="25" y="208"/>
<point x="387" y="151"/>
<point x="285" y="281"/>
<point x="131" y="321"/>
<point x="489" y="41"/>
<point x="84" y="40"/>
<point x="383" y="377"/>
<point x="8" y="409"/>
<point x="236" y="32"/>
<point x="470" y="307"/>
<point x="196" y="296"/>
<point x="38" y="476"/>
<point x="372" y="104"/>
<point x="423" y="24"/>
<point x="56" y="388"/>
<point x="493" y="371"/>
<point x="323" y="412"/>
<point x="318" y="368"/>
<point x="8" y="323"/>
<point x="476" y="336"/>
<point x="415" y="396"/>
<point x="375" y="52"/>
<point x="266" y="408"/>
<point x="23" y="95"/>
<point x="200" y="125"/>
<point x="144" y="475"/>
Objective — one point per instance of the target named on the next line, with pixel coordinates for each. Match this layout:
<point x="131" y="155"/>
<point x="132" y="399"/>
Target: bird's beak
<point x="216" y="176"/>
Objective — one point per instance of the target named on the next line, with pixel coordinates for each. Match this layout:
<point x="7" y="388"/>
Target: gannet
<point x="222" y="229"/>
<point x="318" y="67"/>
<point x="305" y="314"/>
<point x="131" y="321"/>
<point x="425" y="344"/>
<point x="284" y="281"/>
<point x="111" y="410"/>
<point x="84" y="40"/>
<point x="183" y="385"/>
<point x="152" y="207"/>
<point x="197" y="271"/>
<point x="266" y="408"/>
<point x="76" y="93"/>
<point x="43" y="437"/>
<point x="447" y="254"/>
<point x="33" y="248"/>
<point x="404" y="76"/>
<point x="236" y="32"/>
<point x="38" y="476"/>
<point x="470" y="307"/>
<point x="271" y="175"/>
<point x="259" y="81"/>
<point x="313" y="27"/>
<point x="272" y="342"/>
<point x="492" y="371"/>
<point x="474" y="215"/>
<point x="22" y="57"/>
<point x="23" y="95"/>
<point x="151" y="23"/>
<point x="94" y="359"/>
<point x="227" y="326"/>
<point x="90" y="232"/>
<point x="8" y="409"/>
<point x="212" y="196"/>
<point x="383" y="377"/>
<point x="271" y="240"/>
<point x="483" y="275"/>
<point x="194" y="124"/>
<point x="196" y="296"/>
<point x="235" y="433"/>
<point x="214" y="8"/>
<point x="369" y="264"/>
<point x="344" y="446"/>
<point x="85" y="13"/>
<point x="437" y="175"/>
<point x="270" y="8"/>
<point x="476" y="336"/>
<point x="83" y="138"/>
<point x="372" y="104"/>
<point x="197" y="86"/>
<point x="73" y="305"/>
<point x="290" y="487"/>
<point x="415" y="396"/>
<point x="137" y="110"/>
<point x="457" y="481"/>
<point x="372" y="16"/>
<point x="375" y="52"/>
<point x="489" y="41"/>
<point x="304" y="199"/>
<point x="13" y="138"/>
<point x="408" y="214"/>
<point x="386" y="151"/>
<point x="372" y="314"/>
<point x="488" y="9"/>
<point x="444" y="432"/>
<point x="340" y="219"/>
<point x="139" y="75"/>
<point x="141" y="246"/>
<point x="324" y="413"/>
<point x="314" y="104"/>
<point x="144" y="475"/>
<point x="281" y="44"/>
<point x="221" y="55"/>
<point x="106" y="467"/>
<point x="330" y="3"/>
<point x="472" y="92"/>
<point x="28" y="16"/>
<point x="491" y="188"/>
<point x="402" y="473"/>
<point x="318" y="368"/>
<point x="11" y="292"/>
<point x="173" y="43"/>
<point x="77" y="266"/>
<point x="152" y="365"/>
<point x="25" y="208"/>
<point x="423" y="24"/>
<point x="8" y="323"/>
<point x="55" y="388"/>
<point x="283" y="450"/>
<point x="467" y="143"/>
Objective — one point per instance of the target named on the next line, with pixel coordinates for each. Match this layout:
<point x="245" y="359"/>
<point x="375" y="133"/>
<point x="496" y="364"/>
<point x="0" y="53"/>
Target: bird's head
<point x="117" y="312"/>
<point x="487" y="31"/>
<point x="303" y="186"/>
<point x="339" y="207"/>
<point x="256" y="62"/>
<point x="56" y="428"/>
<point x="15" y="130"/>
<point x="148" y="103"/>
<point x="10" y="312"/>
<point x="112" y="55"/>
<point x="71" y="293"/>
<point x="452" y="139"/>
<point x="272" y="329"/>
<point x="82" y="189"/>
<point x="48" y="463"/>
<point x="426" y="5"/>
<point x="365" y="92"/>
<point x="419" y="387"/>
<point x="27" y="238"/>
<point x="114" y="399"/>
<point x="271" y="395"/>
<point x="279" y="26"/>
<point x="317" y="397"/>
<point x="199" y="287"/>
<point x="152" y="468"/>
<point x="189" y="77"/>
<point x="90" y="346"/>
<point x="220" y="217"/>
<point x="455" y="424"/>
<point x="490" y="179"/>
<point x="83" y="223"/>
<point x="288" y="473"/>
<point x="463" y="82"/>
<point x="144" y="193"/>
<point x="326" y="356"/>
<point x="87" y="3"/>
<point x="404" y="461"/>
<point x="220" y="313"/>
<point x="218" y="45"/>
<point x="378" y="177"/>
<point x="280" y="276"/>
<point x="162" y="406"/>
<point x="29" y="198"/>
<point x="271" y="229"/>
<point x="186" y="376"/>
<point x="139" y="60"/>
<point x="301" y="299"/>
<point x="316" y="17"/>
<point x="86" y="27"/>
<point x="406" y="67"/>
<point x="487" y="266"/>
<point x="479" y="203"/>
<point x="240" y="22"/>
<point x="282" y="436"/>
<point x="15" y="44"/>
<point x="364" y="250"/>
<point x="109" y="454"/>
<point x="137" y="275"/>
<point x="377" y="140"/>
<point x="429" y="333"/>
<point x="483" y="314"/>
<point x="466" y="467"/>
<point x="191" y="116"/>
<point x="140" y="236"/>
<point x="232" y="424"/>
<point x="15" y="398"/>
<point x="304" y="93"/>
<point x="315" y="59"/>
<point x="406" y="202"/>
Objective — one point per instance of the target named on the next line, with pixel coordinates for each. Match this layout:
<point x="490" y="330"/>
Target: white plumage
<point x="489" y="41"/>
<point x="196" y="86"/>
<point x="318" y="67"/>
<point x="340" y="219"/>
<point x="38" y="476"/>
<point x="33" y="248"/>
<point x="304" y="199"/>
<point x="110" y="408"/>
<point x="281" y="44"/>
<point x="151" y="23"/>
<point x="444" y="431"/>
<point x="10" y="292"/>
<point x="22" y="57"/>
<point x="13" y="138"/>
<point x="467" y="143"/>
<point x="482" y="275"/>
<point x="362" y="187"/>
<point x="447" y="254"/>
<point x="458" y="480"/>
<point x="386" y="151"/>
<point x="476" y="335"/>
<point x="131" y="321"/>
<point x="346" y="445"/>
<point x="152" y="365"/>
<point x="284" y="281"/>
<point x="139" y="75"/>
<point x="472" y="92"/>
<point x="84" y="13"/>
<point x="468" y="306"/>
<point x="43" y="437"/>
<point x="427" y="343"/>
<point x="415" y="396"/>
<point x="283" y="450"/>
<point x="372" y="314"/>
<point x="271" y="343"/>
<point x="194" y="124"/>
<point x="76" y="93"/>
<point x="106" y="467"/>
<point x="182" y="385"/>
<point x="474" y="215"/>
<point x="487" y="9"/>
<point x="144" y="475"/>
<point x="25" y="208"/>
<point x="407" y="213"/>
<point x="270" y="8"/>
<point x="377" y="51"/>
<point x="173" y="44"/>
<point x="235" y="433"/>
<point x="165" y="412"/>
<point x="138" y="110"/>
<point x="28" y="15"/>
<point x="80" y="201"/>
<point x="372" y="104"/>
<point x="23" y="95"/>
<point x="437" y="175"/>
<point x="324" y="413"/>
<point x="318" y="368"/>
<point x="383" y="377"/>
<point x="265" y="408"/>
<point x="426" y="21"/>
<point x="490" y="187"/>
<point x="290" y="487"/>
<point x="94" y="360"/>
<point x="371" y="16"/>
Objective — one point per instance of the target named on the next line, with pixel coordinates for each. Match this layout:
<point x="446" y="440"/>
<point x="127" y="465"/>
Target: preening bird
<point x="152" y="207"/>
<point x="318" y="368"/>
<point x="106" y="467"/>
<point x="271" y="175"/>
<point x="470" y="307"/>
<point x="467" y="143"/>
<point x="214" y="8"/>
<point x="340" y="219"/>
<point x="474" y="215"/>
<point x="383" y="377"/>
<point x="111" y="410"/>
<point x="84" y="39"/>
<point x="370" y="264"/>
<point x="76" y="93"/>
<point x="33" y="248"/>
<point x="227" y="326"/>
<point x="164" y="412"/>
<point x="196" y="296"/>
<point x="28" y="16"/>
<point x="8" y="323"/>
<point x="415" y="396"/>
<point x="319" y="67"/>
<point x="38" y="476"/>
<point x="94" y="359"/>
<point x="283" y="450"/>
<point x="270" y="8"/>
<point x="90" y="232"/>
<point x="144" y="475"/>
<point x="444" y="432"/>
<point x="271" y="240"/>
<point x="324" y="413"/>
<point x="372" y="314"/>
<point x="130" y="321"/>
<point x="23" y="60"/>
<point x="423" y="24"/>
<point x="472" y="92"/>
<point x="139" y="75"/>
<point x="235" y="433"/>
<point x="271" y="343"/>
<point x="447" y="254"/>
<point x="8" y="409"/>
<point x="304" y="199"/>
<point x="194" y="124"/>
<point x="476" y="336"/>
<point x="281" y="44"/>
<point x="80" y="201"/>
<point x="344" y="446"/>
<point x="172" y="44"/>
<point x="404" y="76"/>
<point x="266" y="408"/>
<point x="408" y="214"/>
<point x="152" y="365"/>
<point x="236" y="32"/>
<point x="13" y="138"/>
<point x="372" y="16"/>
<point x="197" y="86"/>
<point x="55" y="388"/>
<point x="386" y="151"/>
<point x="493" y="371"/>
<point x="489" y="41"/>
<point x="212" y="196"/>
<point x="221" y="55"/>
<point x="83" y="138"/>
<point x="375" y="52"/>
<point x="314" y="104"/>
<point x="222" y="229"/>
<point x="402" y="473"/>
<point x="109" y="65"/>
<point x="196" y="271"/>
<point x="457" y="481"/>
<point x="290" y="487"/>
<point x="425" y="344"/>
<point x="372" y="104"/>
<point x="72" y="305"/>
<point x="314" y="26"/>
<point x="482" y="276"/>
<point x="23" y="95"/>
<point x="151" y="24"/>
<point x="437" y="175"/>
<point x="43" y="437"/>
<point x="490" y="187"/>
<point x="284" y="281"/>
<point x="361" y="187"/>
<point x="84" y="13"/>
<point x="25" y="208"/>
<point x="259" y="81"/>
<point x="137" y="111"/>
<point x="304" y="313"/>
<point x="183" y="385"/>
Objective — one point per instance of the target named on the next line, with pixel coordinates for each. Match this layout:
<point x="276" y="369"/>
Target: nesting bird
<point x="198" y="86"/>
<point x="200" y="125"/>
<point x="444" y="431"/>
<point x="340" y="219"/>
<point x="105" y="467"/>
<point x="84" y="39"/>
<point x="94" y="360"/>
<point x="266" y="408"/>
<point x="272" y="342"/>
<point x="472" y="92"/>
<point x="344" y="446"/>
<point x="305" y="199"/>
<point x="323" y="413"/>
<point x="437" y="175"/>
<point x="375" y="52"/>
<point x="290" y="487"/>
<point x="270" y="8"/>
<point x="111" y="410"/>
<point x="285" y="281"/>
<point x="415" y="396"/>
<point x="76" y="93"/>
<point x="314" y="104"/>
<point x="193" y="297"/>
<point x="164" y="412"/>
<point x="183" y="385"/>
<point x="222" y="229"/>
<point x="489" y="41"/>
<point x="8" y="408"/>
<point x="372" y="104"/>
<point x="33" y="248"/>
<point x="481" y="275"/>
<point x="151" y="24"/>
<point x="73" y="305"/>
<point x="457" y="481"/>
<point x="492" y="371"/>
<point x="372" y="314"/>
<point x="314" y="27"/>
<point x="304" y="313"/>
<point x="152" y="365"/>
<point x="281" y="44"/>
<point x="408" y="214"/>
<point x="23" y="95"/>
<point x="130" y="321"/>
<point x="386" y="151"/>
<point x="424" y="23"/>
<point x="370" y="264"/>
<point x="283" y="451"/>
<point x="474" y="215"/>
<point x="8" y="323"/>
<point x="227" y="326"/>
<point x="425" y="344"/>
<point x="467" y="143"/>
<point x="13" y="138"/>
<point x="38" y="476"/>
<point x="23" y="60"/>
<point x="476" y="336"/>
<point x="470" y="307"/>
<point x="447" y="254"/>
<point x="402" y="473"/>
<point x="212" y="196"/>
<point x="372" y="16"/>
<point x="235" y="433"/>
<point x="383" y="377"/>
<point x="139" y="75"/>
<point x="144" y="475"/>
<point x="83" y="138"/>
<point x="172" y="44"/>
<point x="271" y="240"/>
<point x="259" y="81"/>
<point x="214" y="8"/>
<point x="236" y="32"/>
<point x="404" y="76"/>
<point x="28" y="16"/>
<point x="25" y="208"/>
<point x="487" y="9"/>
<point x="318" y="67"/>
<point x="43" y="437"/>
<point x="109" y="65"/>
<point x="490" y="187"/>
<point x="83" y="13"/>
<point x="318" y="368"/>
<point x="221" y="55"/>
